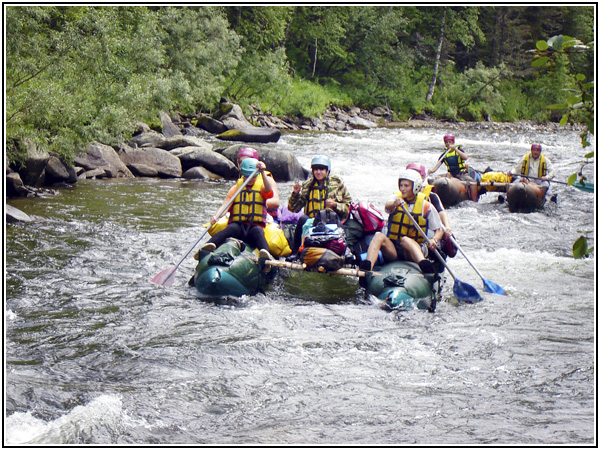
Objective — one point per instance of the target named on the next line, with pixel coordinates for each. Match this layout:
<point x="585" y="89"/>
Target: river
<point x="97" y="354"/>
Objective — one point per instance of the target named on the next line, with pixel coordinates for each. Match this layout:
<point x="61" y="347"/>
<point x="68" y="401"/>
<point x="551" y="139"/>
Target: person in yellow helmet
<point x="248" y="212"/>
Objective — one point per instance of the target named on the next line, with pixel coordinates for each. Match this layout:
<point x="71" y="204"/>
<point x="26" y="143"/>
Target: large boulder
<point x="231" y="115"/>
<point x="184" y="141"/>
<point x="169" y="129"/>
<point x="166" y="164"/>
<point x="360" y="123"/>
<point x="252" y="134"/>
<point x="144" y="136"/>
<point x="16" y="215"/>
<point x="209" y="159"/>
<point x="15" y="186"/>
<point x="200" y="173"/>
<point x="58" y="171"/>
<point x="32" y="173"/>
<point x="281" y="163"/>
<point x="101" y="156"/>
<point x="210" y="124"/>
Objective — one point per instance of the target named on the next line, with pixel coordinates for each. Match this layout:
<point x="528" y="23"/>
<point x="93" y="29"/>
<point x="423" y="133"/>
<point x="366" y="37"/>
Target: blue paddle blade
<point x="490" y="286"/>
<point x="466" y="293"/>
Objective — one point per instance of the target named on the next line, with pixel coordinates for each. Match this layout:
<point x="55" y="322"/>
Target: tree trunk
<point x="314" y="69"/>
<point x="437" y="58"/>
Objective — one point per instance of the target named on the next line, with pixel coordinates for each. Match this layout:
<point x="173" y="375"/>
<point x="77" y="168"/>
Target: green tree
<point x="578" y="103"/>
<point x="75" y="74"/>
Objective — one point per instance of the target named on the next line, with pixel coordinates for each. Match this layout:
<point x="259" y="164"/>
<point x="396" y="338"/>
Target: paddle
<point x="587" y="187"/>
<point x="488" y="286"/>
<point x="167" y="276"/>
<point x="463" y="291"/>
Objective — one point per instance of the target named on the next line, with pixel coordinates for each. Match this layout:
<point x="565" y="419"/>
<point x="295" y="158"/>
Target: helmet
<point x="419" y="168"/>
<point x="246" y="152"/>
<point x="248" y="166"/>
<point x="449" y="137"/>
<point x="536" y="147"/>
<point x="414" y="177"/>
<point x="321" y="161"/>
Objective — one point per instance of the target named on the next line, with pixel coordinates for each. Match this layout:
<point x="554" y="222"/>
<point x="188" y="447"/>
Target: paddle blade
<point x="466" y="293"/>
<point x="490" y="286"/>
<point x="166" y="277"/>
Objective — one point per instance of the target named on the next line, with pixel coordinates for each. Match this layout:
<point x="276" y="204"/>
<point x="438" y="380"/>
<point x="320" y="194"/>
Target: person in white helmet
<point x="403" y="240"/>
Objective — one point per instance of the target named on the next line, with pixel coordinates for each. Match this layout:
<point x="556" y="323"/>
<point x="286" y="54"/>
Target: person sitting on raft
<point x="537" y="167"/>
<point x="273" y="202"/>
<point x="320" y="191"/>
<point x="454" y="157"/>
<point x="403" y="240"/>
<point x="248" y="212"/>
<point x="446" y="244"/>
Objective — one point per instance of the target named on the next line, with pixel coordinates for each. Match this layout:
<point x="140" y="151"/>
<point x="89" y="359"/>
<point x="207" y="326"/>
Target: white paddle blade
<point x="166" y="277"/>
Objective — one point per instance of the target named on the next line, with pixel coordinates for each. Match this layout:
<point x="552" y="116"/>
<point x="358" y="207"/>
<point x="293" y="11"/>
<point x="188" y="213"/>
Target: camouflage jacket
<point x="336" y="190"/>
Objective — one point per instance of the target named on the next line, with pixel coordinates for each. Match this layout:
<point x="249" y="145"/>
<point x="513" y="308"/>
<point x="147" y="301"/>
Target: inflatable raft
<point x="525" y="197"/>
<point x="401" y="285"/>
<point x="233" y="269"/>
<point x="451" y="191"/>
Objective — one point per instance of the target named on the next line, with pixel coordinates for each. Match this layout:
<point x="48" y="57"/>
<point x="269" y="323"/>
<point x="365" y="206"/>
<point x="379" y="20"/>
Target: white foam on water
<point x="25" y="429"/>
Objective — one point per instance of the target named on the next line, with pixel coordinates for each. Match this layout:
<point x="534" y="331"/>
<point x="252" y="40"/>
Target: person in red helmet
<point x="446" y="244"/>
<point x="534" y="167"/>
<point x="454" y="157"/>
<point x="273" y="202"/>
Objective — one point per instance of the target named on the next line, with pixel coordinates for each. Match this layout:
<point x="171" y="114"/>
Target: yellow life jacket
<point x="316" y="199"/>
<point x="249" y="206"/>
<point x="542" y="169"/>
<point x="399" y="224"/>
<point x="427" y="190"/>
<point x="454" y="163"/>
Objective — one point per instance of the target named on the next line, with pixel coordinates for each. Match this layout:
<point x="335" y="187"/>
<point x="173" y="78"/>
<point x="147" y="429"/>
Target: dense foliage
<point x="81" y="73"/>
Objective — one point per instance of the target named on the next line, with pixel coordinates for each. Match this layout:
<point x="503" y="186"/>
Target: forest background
<point x="76" y="74"/>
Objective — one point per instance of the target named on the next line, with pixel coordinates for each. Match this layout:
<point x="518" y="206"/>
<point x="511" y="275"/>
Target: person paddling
<point x="248" y="212"/>
<point x="403" y="240"/>
<point x="273" y="202"/>
<point x="446" y="244"/>
<point x="454" y="158"/>
<point x="322" y="190"/>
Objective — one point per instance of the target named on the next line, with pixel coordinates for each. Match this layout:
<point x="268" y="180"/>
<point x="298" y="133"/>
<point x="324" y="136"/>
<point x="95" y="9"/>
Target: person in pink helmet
<point x="273" y="202"/>
<point x="454" y="158"/>
<point x="536" y="168"/>
<point x="446" y="244"/>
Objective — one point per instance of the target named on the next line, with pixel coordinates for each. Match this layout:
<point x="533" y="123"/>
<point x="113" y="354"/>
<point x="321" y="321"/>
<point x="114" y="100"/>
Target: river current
<point x="97" y="354"/>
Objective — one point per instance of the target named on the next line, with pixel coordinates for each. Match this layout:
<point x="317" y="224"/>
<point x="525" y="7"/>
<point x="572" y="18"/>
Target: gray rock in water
<point x="209" y="159"/>
<point x="166" y="164"/>
<point x="100" y="156"/>
<point x="16" y="215"/>
<point x="169" y="129"/>
<point x="281" y="163"/>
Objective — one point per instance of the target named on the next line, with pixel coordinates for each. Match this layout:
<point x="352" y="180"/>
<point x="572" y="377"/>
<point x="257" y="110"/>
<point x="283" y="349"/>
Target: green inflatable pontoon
<point x="233" y="269"/>
<point x="402" y="286"/>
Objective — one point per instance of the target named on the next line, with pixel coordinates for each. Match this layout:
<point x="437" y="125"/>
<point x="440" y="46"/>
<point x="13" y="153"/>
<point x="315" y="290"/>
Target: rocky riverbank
<point x="181" y="148"/>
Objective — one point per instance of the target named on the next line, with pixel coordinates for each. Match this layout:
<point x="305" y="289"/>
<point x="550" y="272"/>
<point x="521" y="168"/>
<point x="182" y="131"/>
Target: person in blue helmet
<point x="248" y="212"/>
<point x="321" y="191"/>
